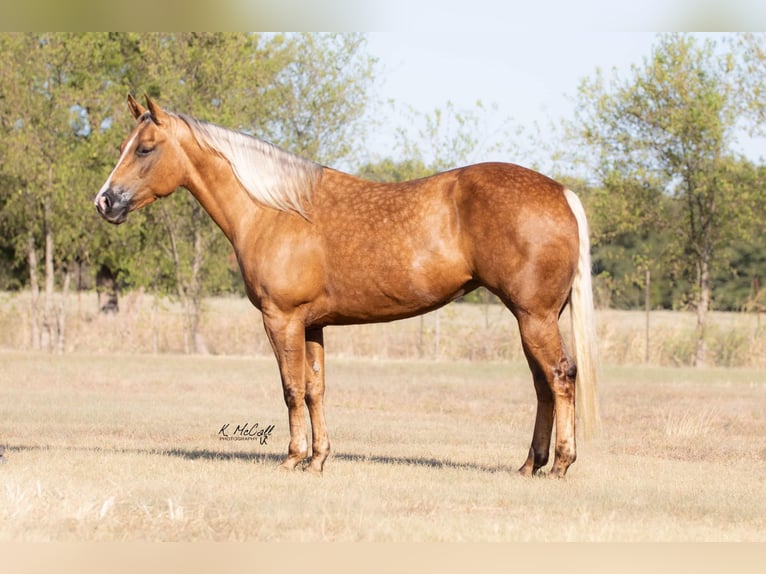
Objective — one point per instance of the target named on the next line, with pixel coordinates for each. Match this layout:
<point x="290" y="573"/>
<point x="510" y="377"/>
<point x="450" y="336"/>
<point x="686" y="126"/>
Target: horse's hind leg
<point x="541" y="438"/>
<point x="551" y="368"/>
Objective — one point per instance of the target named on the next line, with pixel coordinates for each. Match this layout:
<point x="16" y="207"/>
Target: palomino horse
<point x="319" y="247"/>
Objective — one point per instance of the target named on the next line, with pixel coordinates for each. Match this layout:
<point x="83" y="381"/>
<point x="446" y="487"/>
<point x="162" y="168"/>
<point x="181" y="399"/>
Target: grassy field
<point x="126" y="447"/>
<point x="459" y="332"/>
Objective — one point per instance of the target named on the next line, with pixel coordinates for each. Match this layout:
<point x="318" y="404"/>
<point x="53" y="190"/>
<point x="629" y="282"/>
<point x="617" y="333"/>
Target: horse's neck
<point x="214" y="184"/>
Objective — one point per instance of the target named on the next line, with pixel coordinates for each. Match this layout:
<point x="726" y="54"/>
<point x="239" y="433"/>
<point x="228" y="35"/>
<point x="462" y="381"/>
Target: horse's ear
<point x="158" y="114"/>
<point x="135" y="108"/>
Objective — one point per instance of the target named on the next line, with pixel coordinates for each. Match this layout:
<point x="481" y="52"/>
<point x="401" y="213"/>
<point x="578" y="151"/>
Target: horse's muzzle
<point x="112" y="206"/>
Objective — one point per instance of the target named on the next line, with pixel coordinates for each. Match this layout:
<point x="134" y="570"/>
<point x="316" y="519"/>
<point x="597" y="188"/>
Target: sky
<point x="526" y="73"/>
<point x="531" y="76"/>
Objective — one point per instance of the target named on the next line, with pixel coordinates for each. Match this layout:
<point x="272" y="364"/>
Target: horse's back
<point x="500" y="225"/>
<point x="503" y="185"/>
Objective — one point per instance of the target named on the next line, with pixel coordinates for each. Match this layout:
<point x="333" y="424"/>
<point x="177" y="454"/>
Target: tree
<point x="52" y="98"/>
<point x="667" y="131"/>
<point x="449" y="137"/>
<point x="319" y="94"/>
<point x="62" y="118"/>
<point x="388" y="170"/>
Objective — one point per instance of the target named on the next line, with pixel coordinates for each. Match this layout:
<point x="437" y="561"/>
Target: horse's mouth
<point x="112" y="206"/>
<point x="115" y="219"/>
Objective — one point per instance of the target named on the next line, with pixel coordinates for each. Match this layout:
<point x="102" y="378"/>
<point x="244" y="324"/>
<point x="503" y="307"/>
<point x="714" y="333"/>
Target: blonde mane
<point x="272" y="176"/>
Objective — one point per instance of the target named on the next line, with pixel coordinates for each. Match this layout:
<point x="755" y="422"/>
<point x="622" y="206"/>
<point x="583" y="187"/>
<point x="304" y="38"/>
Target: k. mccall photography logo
<point x="246" y="431"/>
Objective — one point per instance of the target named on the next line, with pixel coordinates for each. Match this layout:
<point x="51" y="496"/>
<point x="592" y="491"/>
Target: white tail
<point x="584" y="328"/>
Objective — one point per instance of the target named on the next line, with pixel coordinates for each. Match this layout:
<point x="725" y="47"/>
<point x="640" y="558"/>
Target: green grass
<point x="125" y="448"/>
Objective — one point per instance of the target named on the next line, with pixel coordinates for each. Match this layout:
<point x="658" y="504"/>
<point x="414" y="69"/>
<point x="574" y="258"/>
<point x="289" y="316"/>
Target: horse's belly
<point x="393" y="293"/>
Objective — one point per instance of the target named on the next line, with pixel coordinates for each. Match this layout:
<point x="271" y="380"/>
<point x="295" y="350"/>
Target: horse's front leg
<point x="320" y="444"/>
<point x="288" y="340"/>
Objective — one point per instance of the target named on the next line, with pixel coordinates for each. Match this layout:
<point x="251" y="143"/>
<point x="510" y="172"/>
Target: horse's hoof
<point x="288" y="465"/>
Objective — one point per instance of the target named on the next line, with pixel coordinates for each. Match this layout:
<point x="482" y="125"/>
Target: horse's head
<point x="148" y="167"/>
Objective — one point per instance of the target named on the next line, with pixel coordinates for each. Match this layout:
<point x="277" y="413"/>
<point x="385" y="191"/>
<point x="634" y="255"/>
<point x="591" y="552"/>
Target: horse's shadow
<point x="267" y="458"/>
<point x="272" y="458"/>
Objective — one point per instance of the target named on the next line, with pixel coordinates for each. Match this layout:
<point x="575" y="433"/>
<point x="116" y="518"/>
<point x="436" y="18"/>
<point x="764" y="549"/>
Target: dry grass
<point x="125" y="447"/>
<point x="460" y="332"/>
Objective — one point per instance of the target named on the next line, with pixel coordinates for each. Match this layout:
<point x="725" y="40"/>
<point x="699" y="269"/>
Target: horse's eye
<point x="143" y="151"/>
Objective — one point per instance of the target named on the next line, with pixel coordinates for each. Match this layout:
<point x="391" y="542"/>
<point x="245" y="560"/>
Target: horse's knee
<point x="293" y="396"/>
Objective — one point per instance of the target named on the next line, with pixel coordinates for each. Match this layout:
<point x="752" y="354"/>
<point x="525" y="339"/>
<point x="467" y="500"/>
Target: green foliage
<point x="450" y="137"/>
<point x="388" y="170"/>
<point x="320" y="94"/>
<point x="669" y="192"/>
<point x="48" y="146"/>
<point x="63" y="116"/>
<point x="665" y="191"/>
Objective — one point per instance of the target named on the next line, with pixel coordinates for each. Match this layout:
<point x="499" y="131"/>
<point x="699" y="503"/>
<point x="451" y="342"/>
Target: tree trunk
<point x="421" y="337"/>
<point x="703" y="305"/>
<point x="181" y="290"/>
<point x="54" y="313"/>
<point x="647" y="309"/>
<point x="155" y="324"/>
<point x="107" y="290"/>
<point x="34" y="304"/>
<point x="195" y="310"/>
<point x="189" y="292"/>
<point x="61" y="313"/>
<point x="49" y="319"/>
<point x="485" y="297"/>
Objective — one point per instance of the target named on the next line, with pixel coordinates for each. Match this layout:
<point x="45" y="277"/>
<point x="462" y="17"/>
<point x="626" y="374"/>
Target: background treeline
<point x="63" y="116"/>
<point x="653" y="153"/>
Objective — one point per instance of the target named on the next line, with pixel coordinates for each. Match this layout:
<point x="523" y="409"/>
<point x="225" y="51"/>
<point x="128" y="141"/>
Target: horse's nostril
<point x="106" y="201"/>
